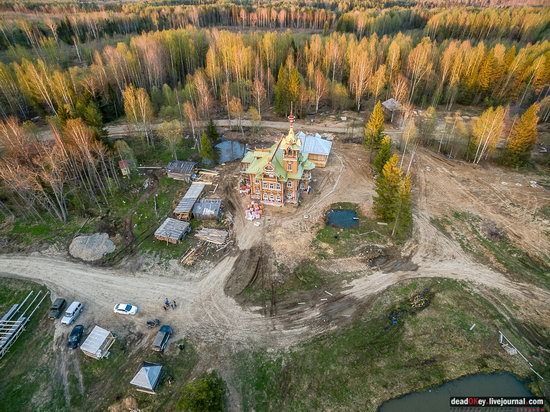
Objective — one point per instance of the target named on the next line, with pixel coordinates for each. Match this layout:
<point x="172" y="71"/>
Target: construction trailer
<point x="207" y="209"/>
<point x="172" y="230"/>
<point x="147" y="378"/>
<point x="185" y="206"/>
<point x="98" y="343"/>
<point x="14" y="321"/>
<point x="180" y="170"/>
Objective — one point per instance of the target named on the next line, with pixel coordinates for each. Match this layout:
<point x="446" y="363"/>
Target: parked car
<point x="125" y="309"/>
<point x="57" y="308"/>
<point x="72" y="312"/>
<point x="161" y="340"/>
<point x="75" y="336"/>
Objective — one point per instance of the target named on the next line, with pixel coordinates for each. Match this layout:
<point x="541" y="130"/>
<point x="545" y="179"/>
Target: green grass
<point x="466" y="229"/>
<point x="27" y="382"/>
<point x="359" y="367"/>
<point x="344" y="242"/>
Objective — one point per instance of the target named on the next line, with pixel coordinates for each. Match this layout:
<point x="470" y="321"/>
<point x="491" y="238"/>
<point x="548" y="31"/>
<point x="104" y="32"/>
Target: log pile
<point x="216" y="236"/>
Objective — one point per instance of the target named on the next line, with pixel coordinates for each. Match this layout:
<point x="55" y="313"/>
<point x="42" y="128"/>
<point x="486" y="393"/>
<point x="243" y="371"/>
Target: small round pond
<point x="342" y="218"/>
<point x="230" y="150"/>
<point x="437" y="399"/>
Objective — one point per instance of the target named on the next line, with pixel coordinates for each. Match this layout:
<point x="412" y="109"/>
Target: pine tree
<point x="282" y="102"/>
<point x="523" y="137"/>
<point x="383" y="155"/>
<point x="212" y="132"/>
<point x="374" y="130"/>
<point x="207" y="150"/>
<point x="388" y="184"/>
<point x="403" y="222"/>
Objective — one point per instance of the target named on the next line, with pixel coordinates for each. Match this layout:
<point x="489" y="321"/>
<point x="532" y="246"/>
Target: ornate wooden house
<point x="277" y="175"/>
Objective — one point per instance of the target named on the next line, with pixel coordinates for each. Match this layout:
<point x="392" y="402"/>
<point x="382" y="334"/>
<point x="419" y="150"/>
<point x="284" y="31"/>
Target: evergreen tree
<point x="282" y="101"/>
<point x="403" y="222"/>
<point x="212" y="132"/>
<point x="383" y="155"/>
<point x="523" y="137"/>
<point x="388" y="184"/>
<point x="374" y="131"/>
<point x="207" y="150"/>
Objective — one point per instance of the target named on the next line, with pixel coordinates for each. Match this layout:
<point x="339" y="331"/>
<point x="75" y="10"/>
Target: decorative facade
<point x="277" y="175"/>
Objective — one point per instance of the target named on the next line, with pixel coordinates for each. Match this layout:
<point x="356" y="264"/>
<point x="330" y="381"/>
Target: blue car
<point x="75" y="337"/>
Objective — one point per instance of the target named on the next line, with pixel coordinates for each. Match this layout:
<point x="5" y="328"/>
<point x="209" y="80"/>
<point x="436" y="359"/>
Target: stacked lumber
<point x="216" y="236"/>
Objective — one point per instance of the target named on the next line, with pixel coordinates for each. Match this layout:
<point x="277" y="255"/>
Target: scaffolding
<point x="16" y="318"/>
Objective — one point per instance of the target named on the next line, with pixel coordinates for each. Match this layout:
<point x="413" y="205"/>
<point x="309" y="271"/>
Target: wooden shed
<point x="180" y="170"/>
<point x="207" y="209"/>
<point x="172" y="230"/>
<point x="185" y="206"/>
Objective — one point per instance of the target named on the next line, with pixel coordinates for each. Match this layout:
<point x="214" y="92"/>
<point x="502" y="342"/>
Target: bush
<point x="206" y="394"/>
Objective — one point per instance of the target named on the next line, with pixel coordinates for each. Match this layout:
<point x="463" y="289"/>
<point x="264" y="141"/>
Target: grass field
<point x="498" y="251"/>
<point x="359" y="367"/>
<point x="334" y="242"/>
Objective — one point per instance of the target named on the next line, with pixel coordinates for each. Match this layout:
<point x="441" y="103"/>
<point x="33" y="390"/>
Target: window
<point x="271" y="186"/>
<point x="278" y="186"/>
<point x="289" y="185"/>
<point x="264" y="185"/>
<point x="257" y="191"/>
<point x="271" y="198"/>
<point x="289" y="166"/>
<point x="278" y="198"/>
<point x="265" y="196"/>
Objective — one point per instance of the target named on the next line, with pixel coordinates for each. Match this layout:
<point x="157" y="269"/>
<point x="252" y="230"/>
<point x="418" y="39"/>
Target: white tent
<point x="147" y="377"/>
<point x="98" y="343"/>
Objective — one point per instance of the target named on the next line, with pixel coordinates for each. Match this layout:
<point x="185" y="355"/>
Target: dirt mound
<point x="91" y="247"/>
<point x="127" y="404"/>
<point x="250" y="267"/>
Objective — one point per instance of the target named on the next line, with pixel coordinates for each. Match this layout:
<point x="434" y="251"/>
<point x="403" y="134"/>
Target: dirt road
<point x="204" y="311"/>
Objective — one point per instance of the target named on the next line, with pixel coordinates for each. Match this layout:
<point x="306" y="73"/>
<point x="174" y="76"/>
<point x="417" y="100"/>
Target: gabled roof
<point x="257" y="160"/>
<point x="188" y="200"/>
<point x="172" y="229"/>
<point x="180" y="166"/>
<point x="147" y="376"/>
<point x="315" y="144"/>
<point x="392" y="105"/>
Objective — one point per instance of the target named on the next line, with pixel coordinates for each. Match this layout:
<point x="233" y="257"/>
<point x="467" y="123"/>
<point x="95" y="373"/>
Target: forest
<point x="77" y="66"/>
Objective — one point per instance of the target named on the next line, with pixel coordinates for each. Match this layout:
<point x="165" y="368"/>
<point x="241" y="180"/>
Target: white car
<point x="125" y="309"/>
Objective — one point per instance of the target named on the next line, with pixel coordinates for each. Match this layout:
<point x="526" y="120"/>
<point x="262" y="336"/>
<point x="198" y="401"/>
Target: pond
<point x="437" y="399"/>
<point x="342" y="218"/>
<point x="230" y="150"/>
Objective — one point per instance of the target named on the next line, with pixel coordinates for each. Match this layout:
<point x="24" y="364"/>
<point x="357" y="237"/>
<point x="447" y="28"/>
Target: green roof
<point x="259" y="159"/>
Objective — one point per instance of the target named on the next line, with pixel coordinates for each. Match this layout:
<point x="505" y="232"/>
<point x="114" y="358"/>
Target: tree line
<point x="73" y="26"/>
<point x="200" y="67"/>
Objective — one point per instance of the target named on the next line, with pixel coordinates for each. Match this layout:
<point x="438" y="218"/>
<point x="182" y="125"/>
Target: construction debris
<point x="216" y="236"/>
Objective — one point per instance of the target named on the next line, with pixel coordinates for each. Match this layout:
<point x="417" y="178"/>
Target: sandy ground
<point x="207" y="315"/>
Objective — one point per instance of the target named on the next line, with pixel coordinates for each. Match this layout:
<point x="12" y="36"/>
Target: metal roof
<point x="314" y="144"/>
<point x="148" y="376"/>
<point x="172" y="228"/>
<point x="180" y="166"/>
<point x="392" y="105"/>
<point x="207" y="208"/>
<point x="188" y="200"/>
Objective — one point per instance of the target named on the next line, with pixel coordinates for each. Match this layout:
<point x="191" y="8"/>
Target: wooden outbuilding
<point x="172" y="230"/>
<point x="393" y="110"/>
<point x="185" y="206"/>
<point x="180" y="170"/>
<point x="207" y="209"/>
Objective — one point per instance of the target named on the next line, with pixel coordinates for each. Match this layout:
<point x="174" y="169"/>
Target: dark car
<point x="161" y="340"/>
<point x="57" y="308"/>
<point x="75" y="336"/>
